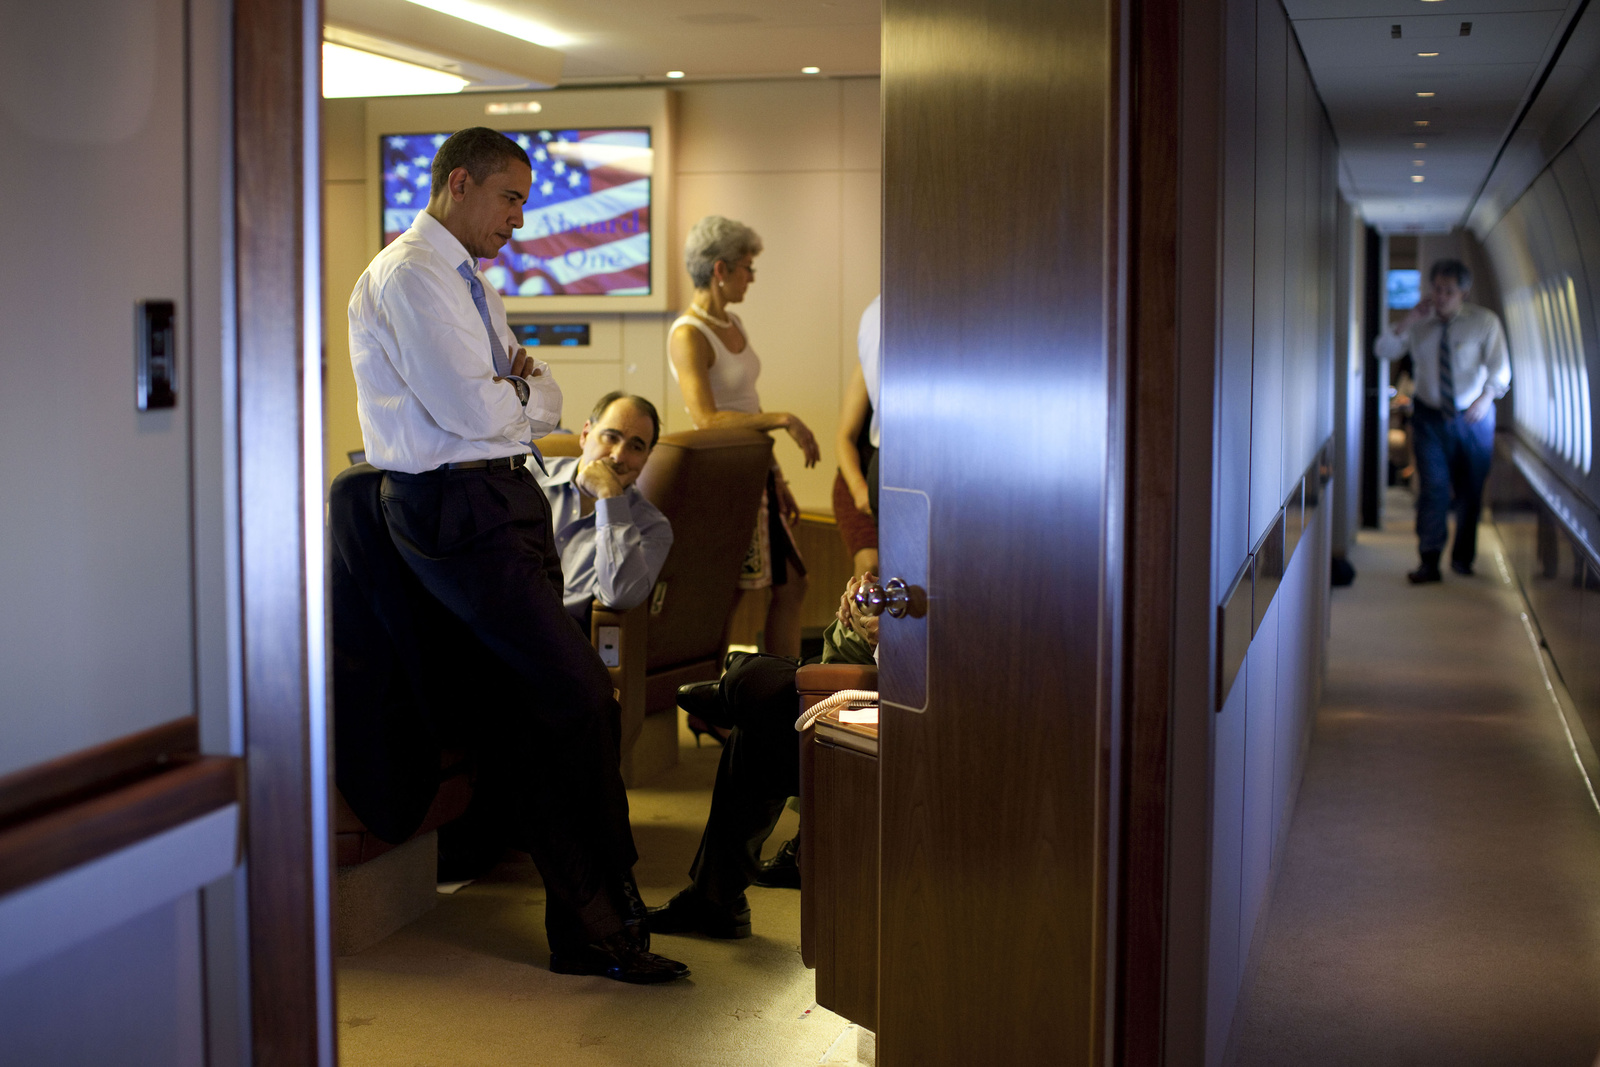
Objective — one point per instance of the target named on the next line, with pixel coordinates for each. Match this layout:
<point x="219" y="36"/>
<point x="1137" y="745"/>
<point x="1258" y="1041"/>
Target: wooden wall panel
<point x="285" y="741"/>
<point x="994" y="844"/>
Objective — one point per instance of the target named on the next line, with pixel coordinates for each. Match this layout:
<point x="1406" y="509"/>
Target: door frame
<point x="277" y="325"/>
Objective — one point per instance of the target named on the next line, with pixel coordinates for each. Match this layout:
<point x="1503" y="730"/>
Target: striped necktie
<point x="497" y="351"/>
<point x="1447" y="374"/>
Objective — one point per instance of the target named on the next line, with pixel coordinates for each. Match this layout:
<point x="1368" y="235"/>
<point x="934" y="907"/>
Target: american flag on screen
<point x="586" y="226"/>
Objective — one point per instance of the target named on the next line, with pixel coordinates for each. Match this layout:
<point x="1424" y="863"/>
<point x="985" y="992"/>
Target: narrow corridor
<point x="1438" y="899"/>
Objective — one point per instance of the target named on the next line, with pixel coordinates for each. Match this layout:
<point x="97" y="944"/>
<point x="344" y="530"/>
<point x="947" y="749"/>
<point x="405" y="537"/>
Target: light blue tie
<point x="502" y="364"/>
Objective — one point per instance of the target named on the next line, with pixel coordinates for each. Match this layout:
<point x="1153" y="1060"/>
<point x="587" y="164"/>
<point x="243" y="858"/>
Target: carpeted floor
<point x="467" y="985"/>
<point x="1439" y="898"/>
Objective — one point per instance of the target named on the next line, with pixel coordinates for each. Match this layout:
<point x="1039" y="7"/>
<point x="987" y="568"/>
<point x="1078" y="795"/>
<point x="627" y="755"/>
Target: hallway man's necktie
<point x="502" y="363"/>
<point x="1447" y="374"/>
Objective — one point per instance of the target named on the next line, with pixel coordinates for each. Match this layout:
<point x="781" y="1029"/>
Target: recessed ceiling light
<point x="810" y="70"/>
<point x="1424" y="94"/>
<point x="674" y="73"/>
<point x="1416" y="177"/>
<point x="1427" y="55"/>
<point x="350" y="72"/>
<point x="495" y="19"/>
<point x="1419" y="144"/>
<point x="1419" y="122"/>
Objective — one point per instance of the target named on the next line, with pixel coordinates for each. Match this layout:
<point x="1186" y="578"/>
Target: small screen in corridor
<point x="1405" y="288"/>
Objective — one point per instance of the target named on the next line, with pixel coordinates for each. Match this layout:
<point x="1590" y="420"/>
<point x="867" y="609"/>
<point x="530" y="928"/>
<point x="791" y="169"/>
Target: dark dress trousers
<point x="758" y="773"/>
<point x="1453" y="457"/>
<point x="467" y="588"/>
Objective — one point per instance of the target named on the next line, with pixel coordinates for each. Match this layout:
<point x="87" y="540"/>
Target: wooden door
<point x="1000" y="415"/>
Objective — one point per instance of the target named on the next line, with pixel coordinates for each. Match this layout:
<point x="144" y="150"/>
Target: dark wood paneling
<point x="57" y="841"/>
<point x="274" y="129"/>
<point x="996" y="838"/>
<point x="28" y="793"/>
<point x="1151" y="556"/>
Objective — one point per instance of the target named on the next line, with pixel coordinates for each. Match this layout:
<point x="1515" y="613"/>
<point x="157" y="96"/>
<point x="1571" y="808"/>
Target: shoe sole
<point x="587" y="971"/>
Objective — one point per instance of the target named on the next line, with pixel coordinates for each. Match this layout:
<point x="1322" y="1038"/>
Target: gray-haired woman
<point x="716" y="367"/>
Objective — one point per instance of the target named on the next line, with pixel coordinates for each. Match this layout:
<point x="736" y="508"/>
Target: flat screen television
<point x="595" y="229"/>
<point x="586" y="225"/>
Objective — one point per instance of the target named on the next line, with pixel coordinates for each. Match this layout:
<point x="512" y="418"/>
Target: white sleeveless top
<point x="732" y="374"/>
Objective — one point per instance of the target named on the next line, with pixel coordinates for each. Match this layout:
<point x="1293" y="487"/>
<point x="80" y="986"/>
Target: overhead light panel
<point x="412" y="33"/>
<point x="1424" y="94"/>
<point x="1418" y="163"/>
<point x="1419" y="122"/>
<point x="810" y="70"/>
<point x="513" y="107"/>
<point x="674" y="73"/>
<point x="1419" y="144"/>
<point x="1416" y="177"/>
<point x="496" y="19"/>
<point x="1426" y="55"/>
<point x="351" y="72"/>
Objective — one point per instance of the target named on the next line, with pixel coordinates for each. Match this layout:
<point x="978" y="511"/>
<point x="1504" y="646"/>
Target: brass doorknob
<point x="893" y="596"/>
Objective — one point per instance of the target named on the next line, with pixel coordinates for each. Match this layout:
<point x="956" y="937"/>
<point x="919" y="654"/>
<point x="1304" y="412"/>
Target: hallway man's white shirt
<point x="425" y="388"/>
<point x="1478" y="355"/>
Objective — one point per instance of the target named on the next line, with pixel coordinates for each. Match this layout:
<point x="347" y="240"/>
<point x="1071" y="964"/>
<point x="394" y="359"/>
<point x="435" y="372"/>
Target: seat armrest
<point x="620" y="638"/>
<point x="818" y="680"/>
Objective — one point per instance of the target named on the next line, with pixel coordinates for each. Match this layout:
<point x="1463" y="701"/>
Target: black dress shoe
<point x="1464" y="569"/>
<point x="703" y="700"/>
<point x="782" y="871"/>
<point x="617" y="958"/>
<point x="1424" y="574"/>
<point x="690" y="913"/>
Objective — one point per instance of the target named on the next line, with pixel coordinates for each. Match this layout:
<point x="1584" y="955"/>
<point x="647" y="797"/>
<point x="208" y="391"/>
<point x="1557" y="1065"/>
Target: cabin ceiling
<point x="1491" y="57"/>
<point x="1369" y="79"/>
<point x="640" y="40"/>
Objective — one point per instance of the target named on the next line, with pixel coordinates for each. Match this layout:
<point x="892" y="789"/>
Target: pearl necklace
<point x="712" y="319"/>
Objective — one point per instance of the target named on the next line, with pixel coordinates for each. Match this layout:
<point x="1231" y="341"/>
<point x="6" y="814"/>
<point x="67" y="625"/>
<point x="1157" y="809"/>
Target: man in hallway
<point x="1462" y="367"/>
<point x="449" y="408"/>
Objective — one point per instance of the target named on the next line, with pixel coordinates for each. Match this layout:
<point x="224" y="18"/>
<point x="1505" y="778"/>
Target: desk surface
<point x="862" y="737"/>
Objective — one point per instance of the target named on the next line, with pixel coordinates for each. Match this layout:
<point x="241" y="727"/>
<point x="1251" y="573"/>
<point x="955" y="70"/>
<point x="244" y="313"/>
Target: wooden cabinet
<point x="839" y="859"/>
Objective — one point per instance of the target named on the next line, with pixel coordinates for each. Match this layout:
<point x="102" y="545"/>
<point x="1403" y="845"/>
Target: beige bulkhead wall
<point x="797" y="160"/>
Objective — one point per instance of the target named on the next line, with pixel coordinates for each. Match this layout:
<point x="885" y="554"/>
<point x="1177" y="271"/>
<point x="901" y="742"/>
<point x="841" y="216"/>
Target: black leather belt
<point x="501" y="464"/>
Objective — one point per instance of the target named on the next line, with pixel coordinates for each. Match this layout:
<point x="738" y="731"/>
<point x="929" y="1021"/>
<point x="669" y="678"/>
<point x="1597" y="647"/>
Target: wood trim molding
<point x="77" y="776"/>
<point x="274" y="59"/>
<point x="1150" y="560"/>
<point x="66" y="837"/>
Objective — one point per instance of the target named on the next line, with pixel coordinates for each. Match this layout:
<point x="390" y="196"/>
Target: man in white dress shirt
<point x="1462" y="367"/>
<point x="612" y="540"/>
<point x="450" y="406"/>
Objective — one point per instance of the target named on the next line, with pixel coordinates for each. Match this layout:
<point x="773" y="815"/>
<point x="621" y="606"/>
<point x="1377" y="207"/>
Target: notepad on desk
<point x="867" y="716"/>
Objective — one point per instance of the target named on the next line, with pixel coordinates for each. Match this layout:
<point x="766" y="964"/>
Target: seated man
<point x="759" y="772"/>
<point x="612" y="540"/>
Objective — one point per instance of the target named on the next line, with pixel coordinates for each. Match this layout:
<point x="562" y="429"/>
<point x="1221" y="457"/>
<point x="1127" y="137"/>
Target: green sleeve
<point x="844" y="646"/>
